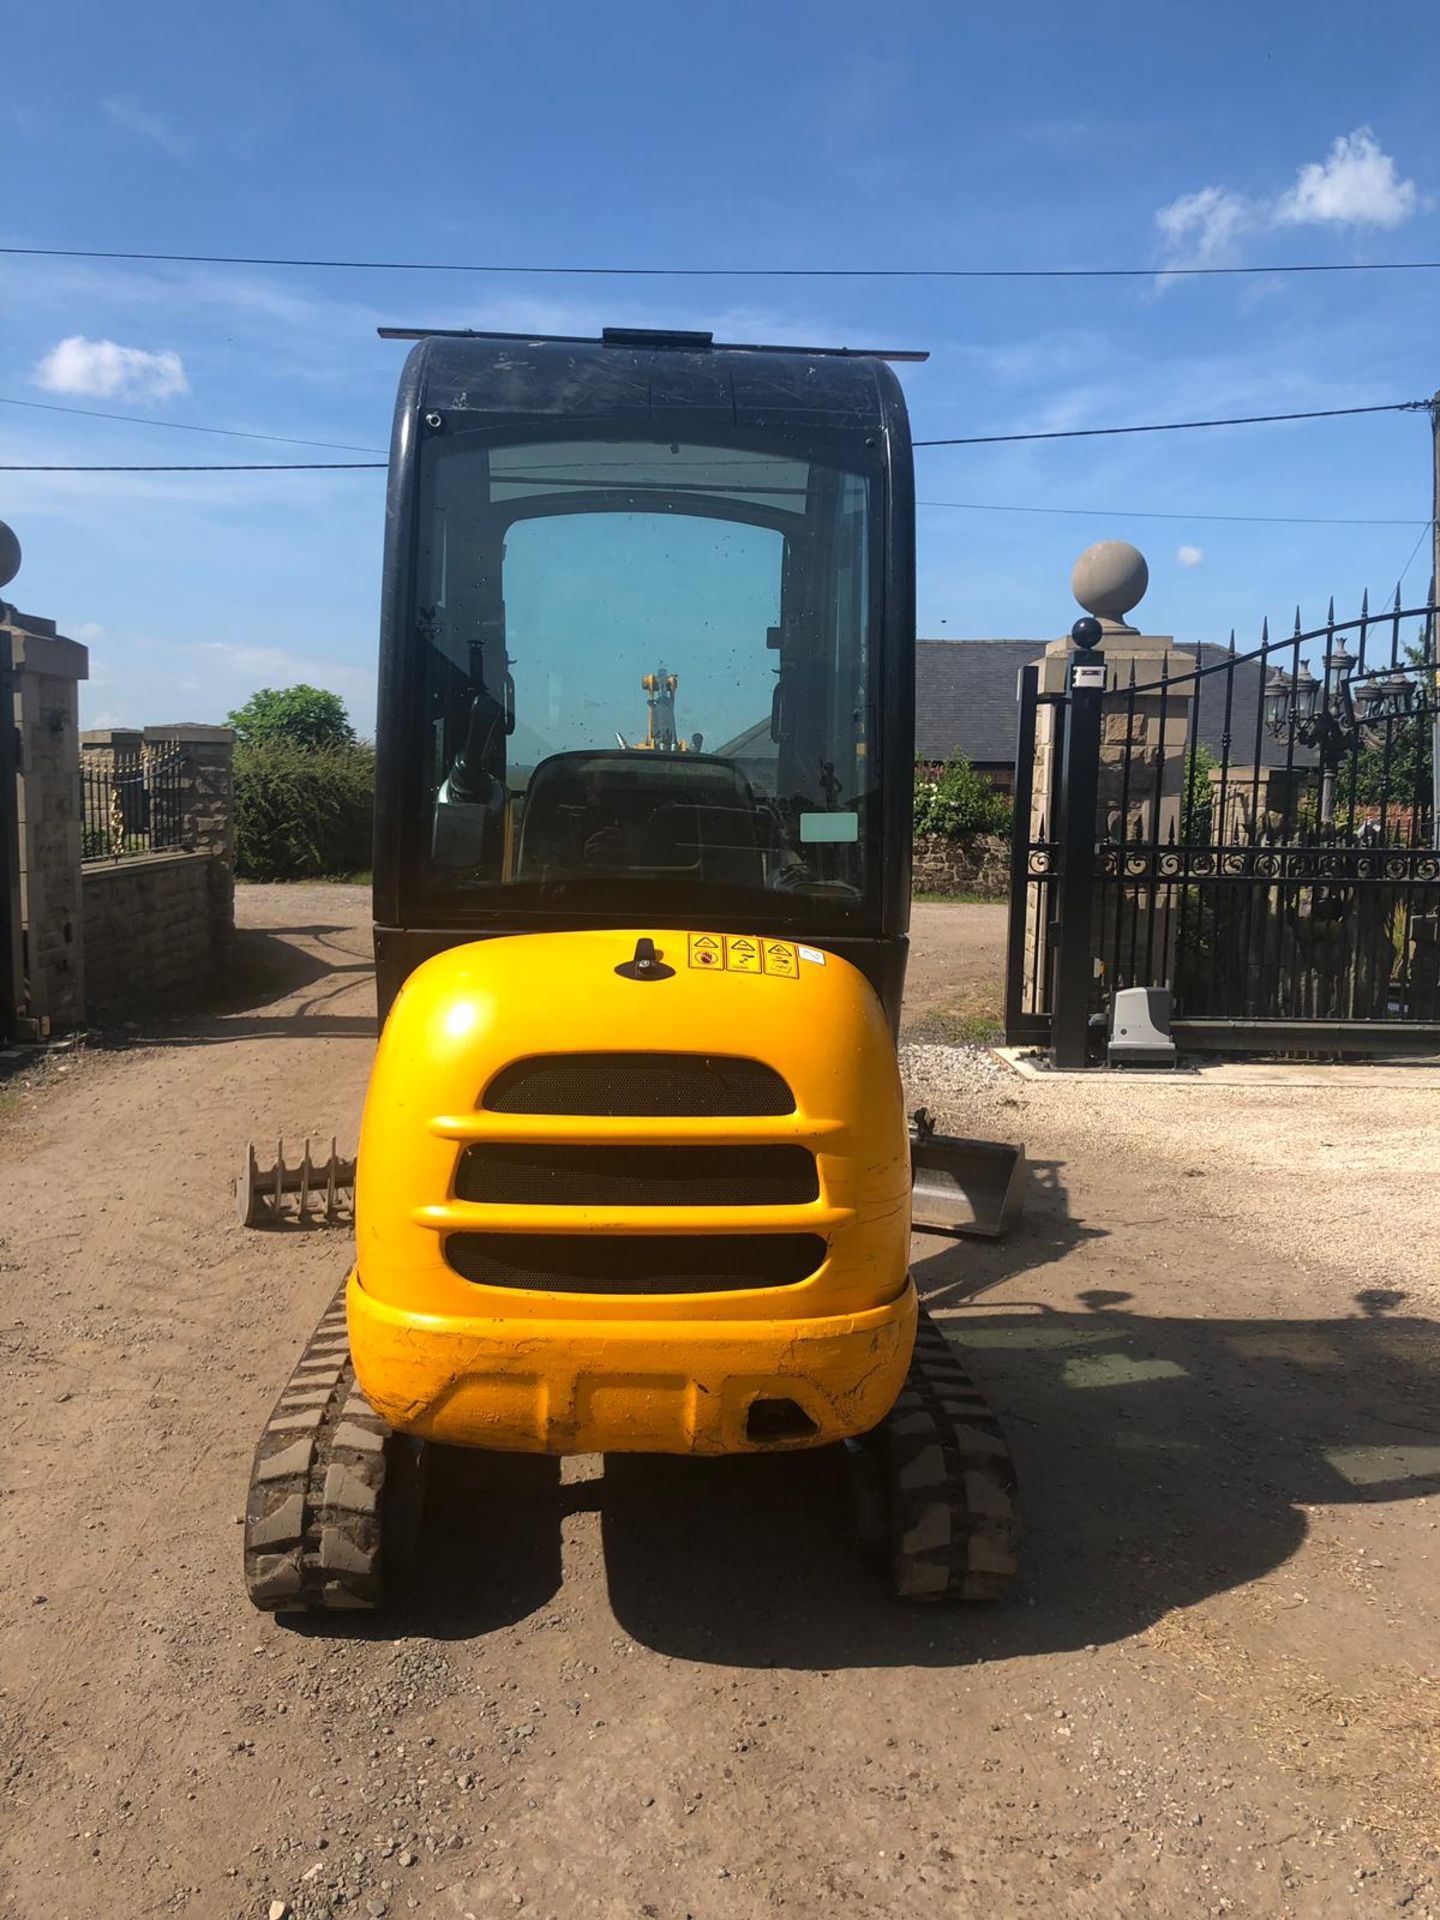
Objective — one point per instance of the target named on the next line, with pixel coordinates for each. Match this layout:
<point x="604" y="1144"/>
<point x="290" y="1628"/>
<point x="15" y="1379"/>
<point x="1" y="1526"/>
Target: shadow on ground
<point x="265" y="967"/>
<point x="489" y="1554"/>
<point x="266" y="963"/>
<point x="1161" y="1460"/>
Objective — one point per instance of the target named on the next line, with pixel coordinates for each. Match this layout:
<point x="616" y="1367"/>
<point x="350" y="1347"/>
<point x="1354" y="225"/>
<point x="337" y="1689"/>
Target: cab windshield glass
<point x="645" y="677"/>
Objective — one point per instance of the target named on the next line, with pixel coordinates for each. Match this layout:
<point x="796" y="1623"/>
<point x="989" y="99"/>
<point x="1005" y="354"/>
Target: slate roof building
<point x="965" y="702"/>
<point x="964" y="699"/>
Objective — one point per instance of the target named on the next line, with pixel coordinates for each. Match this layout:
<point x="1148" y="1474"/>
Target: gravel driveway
<point x="649" y="1689"/>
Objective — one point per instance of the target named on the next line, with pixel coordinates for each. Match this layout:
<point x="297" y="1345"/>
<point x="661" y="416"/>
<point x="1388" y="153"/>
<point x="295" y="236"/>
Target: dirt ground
<point x="955" y="988"/>
<point x="646" y="1689"/>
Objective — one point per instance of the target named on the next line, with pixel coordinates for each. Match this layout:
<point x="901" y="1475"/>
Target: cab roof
<point x="638" y="375"/>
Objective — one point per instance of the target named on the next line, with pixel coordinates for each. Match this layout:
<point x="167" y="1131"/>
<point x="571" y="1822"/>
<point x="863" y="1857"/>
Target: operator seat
<point x="607" y="812"/>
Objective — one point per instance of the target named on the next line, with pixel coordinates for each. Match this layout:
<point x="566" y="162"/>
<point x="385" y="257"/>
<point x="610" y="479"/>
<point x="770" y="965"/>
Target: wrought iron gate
<point x="1256" y="831"/>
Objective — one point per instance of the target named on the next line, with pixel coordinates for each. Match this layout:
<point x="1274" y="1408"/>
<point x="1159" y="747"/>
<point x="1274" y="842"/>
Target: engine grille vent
<point x="639" y="1085"/>
<point x="635" y="1263"/>
<point x="688" y="1176"/>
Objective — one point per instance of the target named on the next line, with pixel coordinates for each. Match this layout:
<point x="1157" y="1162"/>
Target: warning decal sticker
<point x="743" y="953"/>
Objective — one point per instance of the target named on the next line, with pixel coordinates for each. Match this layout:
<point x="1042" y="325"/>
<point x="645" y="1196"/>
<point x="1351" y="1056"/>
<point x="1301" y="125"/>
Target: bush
<point x="958" y="800"/>
<point x="302" y="812"/>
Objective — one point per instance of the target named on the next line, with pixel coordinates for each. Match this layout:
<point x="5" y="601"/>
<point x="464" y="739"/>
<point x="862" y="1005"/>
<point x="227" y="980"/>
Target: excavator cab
<point x="722" y="534"/>
<point x="635" y="1171"/>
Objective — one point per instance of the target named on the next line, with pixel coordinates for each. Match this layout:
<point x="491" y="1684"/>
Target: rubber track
<point x="954" y="1522"/>
<point x="313" y="1515"/>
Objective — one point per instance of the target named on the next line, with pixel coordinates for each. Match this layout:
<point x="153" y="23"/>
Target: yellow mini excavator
<point x="635" y="1171"/>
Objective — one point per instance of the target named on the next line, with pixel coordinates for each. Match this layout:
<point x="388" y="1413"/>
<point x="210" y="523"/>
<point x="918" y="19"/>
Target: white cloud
<point x="134" y="118"/>
<point x="102" y="370"/>
<point x="87" y="630"/>
<point x="1356" y="185"/>
<point x="1201" y="226"/>
<point x="1189" y="556"/>
<point x="284" y="667"/>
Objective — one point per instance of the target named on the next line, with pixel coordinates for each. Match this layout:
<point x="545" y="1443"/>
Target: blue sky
<point x="638" y="133"/>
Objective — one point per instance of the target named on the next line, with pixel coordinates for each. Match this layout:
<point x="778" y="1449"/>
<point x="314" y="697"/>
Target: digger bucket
<point x="963" y="1186"/>
<point x="311" y="1193"/>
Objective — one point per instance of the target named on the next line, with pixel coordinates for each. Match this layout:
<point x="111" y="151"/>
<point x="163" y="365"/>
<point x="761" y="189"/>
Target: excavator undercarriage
<point x="336" y="1498"/>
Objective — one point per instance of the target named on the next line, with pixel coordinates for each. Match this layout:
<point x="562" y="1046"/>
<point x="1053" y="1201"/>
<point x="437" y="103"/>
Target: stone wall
<point x="149" y="931"/>
<point x="207" y="791"/>
<point x="975" y="863"/>
<point x="159" y="926"/>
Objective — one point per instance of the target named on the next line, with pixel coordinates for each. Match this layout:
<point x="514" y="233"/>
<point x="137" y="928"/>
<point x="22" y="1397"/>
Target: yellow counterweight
<point x="603" y="1207"/>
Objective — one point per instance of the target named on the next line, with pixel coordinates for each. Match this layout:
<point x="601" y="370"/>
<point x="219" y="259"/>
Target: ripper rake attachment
<point x="314" y="1193"/>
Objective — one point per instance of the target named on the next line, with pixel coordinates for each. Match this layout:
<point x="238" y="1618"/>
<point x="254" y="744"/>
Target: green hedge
<point x="302" y="812"/>
<point x="958" y="800"/>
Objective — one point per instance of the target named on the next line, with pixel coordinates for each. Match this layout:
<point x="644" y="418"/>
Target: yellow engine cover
<point x="523" y="1358"/>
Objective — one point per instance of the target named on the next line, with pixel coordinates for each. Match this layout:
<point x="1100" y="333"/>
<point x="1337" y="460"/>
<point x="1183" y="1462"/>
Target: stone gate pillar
<point x="48" y="672"/>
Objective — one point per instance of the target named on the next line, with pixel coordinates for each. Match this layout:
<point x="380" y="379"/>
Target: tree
<point x="304" y="716"/>
<point x="1393" y="769"/>
<point x="1392" y="766"/>
<point x="1196" y="821"/>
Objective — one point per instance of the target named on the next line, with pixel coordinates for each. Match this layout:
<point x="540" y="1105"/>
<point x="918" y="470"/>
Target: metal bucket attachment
<point x="318" y="1192"/>
<point x="963" y="1186"/>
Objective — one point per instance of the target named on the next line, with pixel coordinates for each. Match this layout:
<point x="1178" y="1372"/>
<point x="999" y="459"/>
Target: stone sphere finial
<point x="9" y="555"/>
<point x="1109" y="579"/>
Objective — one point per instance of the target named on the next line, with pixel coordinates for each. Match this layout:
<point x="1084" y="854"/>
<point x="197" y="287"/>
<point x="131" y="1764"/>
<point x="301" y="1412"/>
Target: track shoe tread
<point x="953" y="1520"/>
<point x="314" y="1520"/>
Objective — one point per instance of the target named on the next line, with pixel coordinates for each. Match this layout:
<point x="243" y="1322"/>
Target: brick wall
<point x="976" y="863"/>
<point x="149" y="931"/>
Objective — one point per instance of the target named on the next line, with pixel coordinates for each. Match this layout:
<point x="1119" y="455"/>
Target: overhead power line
<point x="971" y="440"/>
<point x="1425" y="528"/>
<point x="184" y="426"/>
<point x="965" y="440"/>
<point x="716" y="273"/>
<point x="1136" y="513"/>
<point x="1175" y="426"/>
<point x="959" y="506"/>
